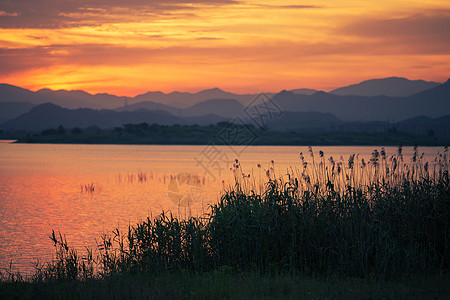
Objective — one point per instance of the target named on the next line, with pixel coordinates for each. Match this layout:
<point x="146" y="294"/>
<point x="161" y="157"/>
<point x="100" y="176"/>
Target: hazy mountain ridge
<point x="223" y="107"/>
<point x="433" y="102"/>
<point x="9" y="110"/>
<point x="49" y="115"/>
<point x="303" y="120"/>
<point x="186" y="100"/>
<point x="229" y="108"/>
<point x="80" y="99"/>
<point x="67" y="99"/>
<point x="391" y="87"/>
<point x="150" y="105"/>
<point x="304" y="91"/>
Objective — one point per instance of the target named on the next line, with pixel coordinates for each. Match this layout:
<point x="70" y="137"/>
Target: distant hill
<point x="422" y="125"/>
<point x="79" y="99"/>
<point x="150" y="105"/>
<point x="67" y="99"/>
<point x="11" y="110"/>
<point x="432" y="103"/>
<point x="440" y="91"/>
<point x="303" y="120"/>
<point x="185" y="100"/>
<point x="393" y="87"/>
<point x="228" y="108"/>
<point x="304" y="91"/>
<point x="49" y="115"/>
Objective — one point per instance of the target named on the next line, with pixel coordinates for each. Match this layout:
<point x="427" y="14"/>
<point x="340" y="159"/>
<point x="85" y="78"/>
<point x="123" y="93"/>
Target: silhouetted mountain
<point x="422" y="125"/>
<point x="11" y="110"/>
<point x="79" y="99"/>
<point x="304" y="91"/>
<point x="67" y="99"/>
<point x="393" y="87"/>
<point x="432" y="103"/>
<point x="185" y="100"/>
<point x="303" y="120"/>
<point x="49" y="115"/>
<point x="11" y="93"/>
<point x="228" y="108"/>
<point x="440" y="91"/>
<point x="162" y="98"/>
<point x="149" y="105"/>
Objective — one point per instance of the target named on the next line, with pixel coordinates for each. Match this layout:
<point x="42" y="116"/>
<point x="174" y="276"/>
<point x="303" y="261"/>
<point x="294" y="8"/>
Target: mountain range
<point x="368" y="101"/>
<point x="434" y="102"/>
<point x="49" y="115"/>
<point x="391" y="87"/>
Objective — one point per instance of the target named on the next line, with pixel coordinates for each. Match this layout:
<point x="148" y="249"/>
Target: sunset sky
<point x="130" y="47"/>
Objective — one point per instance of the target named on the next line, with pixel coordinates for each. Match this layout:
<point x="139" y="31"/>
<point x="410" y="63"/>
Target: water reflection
<point x="86" y="190"/>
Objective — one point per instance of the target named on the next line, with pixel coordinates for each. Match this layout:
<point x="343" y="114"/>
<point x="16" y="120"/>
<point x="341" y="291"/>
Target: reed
<point x="88" y="188"/>
<point x="381" y="218"/>
<point x="67" y="264"/>
<point x="376" y="218"/>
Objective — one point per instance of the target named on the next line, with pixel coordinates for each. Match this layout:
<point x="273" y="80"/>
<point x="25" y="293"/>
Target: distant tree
<point x="76" y="130"/>
<point x="143" y="126"/>
<point x="223" y="124"/>
<point x="430" y="132"/>
<point x="93" y="128"/>
<point x="128" y="127"/>
<point x="60" y="130"/>
<point x="393" y="129"/>
<point x="48" y="132"/>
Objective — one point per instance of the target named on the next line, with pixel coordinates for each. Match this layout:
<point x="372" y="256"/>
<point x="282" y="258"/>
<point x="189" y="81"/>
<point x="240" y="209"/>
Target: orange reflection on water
<point x="84" y="191"/>
<point x="50" y="188"/>
<point x="83" y="207"/>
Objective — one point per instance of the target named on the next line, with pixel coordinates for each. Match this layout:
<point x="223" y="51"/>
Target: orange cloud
<point x="426" y="34"/>
<point x="134" y="46"/>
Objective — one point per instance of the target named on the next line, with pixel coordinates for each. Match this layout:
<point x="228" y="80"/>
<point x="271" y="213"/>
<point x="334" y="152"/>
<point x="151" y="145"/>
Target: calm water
<point x="86" y="190"/>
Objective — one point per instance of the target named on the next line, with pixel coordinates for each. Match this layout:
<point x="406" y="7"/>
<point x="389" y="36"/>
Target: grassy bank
<point x="377" y="228"/>
<point x="202" y="135"/>
<point x="224" y="285"/>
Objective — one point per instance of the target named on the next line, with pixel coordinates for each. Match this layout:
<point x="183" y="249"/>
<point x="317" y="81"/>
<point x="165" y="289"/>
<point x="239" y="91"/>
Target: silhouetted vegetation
<point x="223" y="284"/>
<point x="378" y="219"/>
<point x="144" y="133"/>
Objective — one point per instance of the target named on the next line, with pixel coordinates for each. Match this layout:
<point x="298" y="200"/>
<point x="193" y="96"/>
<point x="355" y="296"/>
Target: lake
<point x="86" y="190"/>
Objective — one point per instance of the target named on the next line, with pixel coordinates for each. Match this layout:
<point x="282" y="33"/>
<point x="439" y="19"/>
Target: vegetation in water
<point x="374" y="220"/>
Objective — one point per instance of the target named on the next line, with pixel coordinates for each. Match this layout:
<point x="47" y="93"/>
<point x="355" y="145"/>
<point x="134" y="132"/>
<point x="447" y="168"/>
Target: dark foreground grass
<point x="332" y="229"/>
<point x="222" y="284"/>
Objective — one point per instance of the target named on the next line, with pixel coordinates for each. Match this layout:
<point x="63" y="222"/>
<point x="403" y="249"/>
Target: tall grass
<point x="67" y="265"/>
<point x="380" y="218"/>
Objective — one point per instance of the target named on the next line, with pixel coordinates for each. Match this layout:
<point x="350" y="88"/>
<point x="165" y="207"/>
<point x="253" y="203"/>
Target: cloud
<point x="289" y="6"/>
<point x="427" y="32"/>
<point x="5" y="14"/>
<point x="67" y="13"/>
<point x="206" y="38"/>
<point x="180" y="43"/>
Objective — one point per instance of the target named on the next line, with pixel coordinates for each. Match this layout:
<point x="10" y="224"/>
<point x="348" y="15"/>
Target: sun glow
<point x="242" y="46"/>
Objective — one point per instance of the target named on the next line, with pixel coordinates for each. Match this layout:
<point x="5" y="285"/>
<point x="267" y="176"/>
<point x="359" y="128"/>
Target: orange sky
<point x="130" y="47"/>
